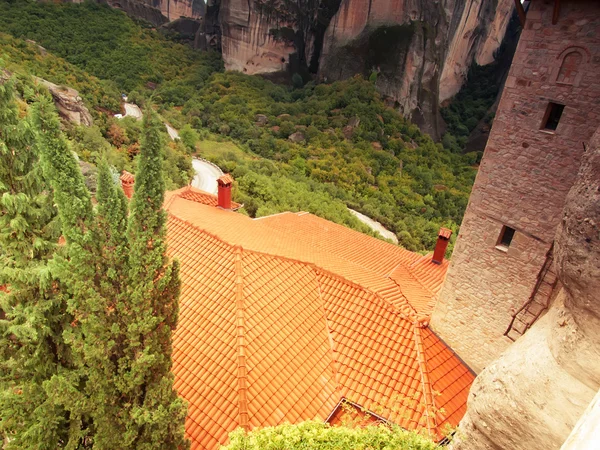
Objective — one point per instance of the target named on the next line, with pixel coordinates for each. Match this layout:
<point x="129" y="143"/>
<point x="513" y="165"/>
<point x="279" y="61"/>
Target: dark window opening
<point x="506" y="236"/>
<point x="552" y="116"/>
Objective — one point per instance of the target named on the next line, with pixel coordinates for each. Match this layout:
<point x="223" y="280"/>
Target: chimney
<point x="225" y="182"/>
<point x="127" y="182"/>
<point x="441" y="246"/>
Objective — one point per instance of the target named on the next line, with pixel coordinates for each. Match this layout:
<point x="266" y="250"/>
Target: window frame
<point x="549" y="108"/>
<point x="500" y="244"/>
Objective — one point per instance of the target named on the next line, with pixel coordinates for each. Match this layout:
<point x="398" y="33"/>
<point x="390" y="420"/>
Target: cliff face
<point x="421" y="50"/>
<point x="533" y="395"/>
<point x="246" y="42"/>
<point x="159" y="12"/>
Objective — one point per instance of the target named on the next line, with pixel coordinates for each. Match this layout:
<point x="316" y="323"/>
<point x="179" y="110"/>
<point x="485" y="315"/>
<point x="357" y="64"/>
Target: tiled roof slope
<point x="277" y="325"/>
<point x="198" y="196"/>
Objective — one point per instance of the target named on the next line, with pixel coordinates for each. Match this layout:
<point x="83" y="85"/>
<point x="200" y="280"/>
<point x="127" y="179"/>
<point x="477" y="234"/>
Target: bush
<point x="314" y="435"/>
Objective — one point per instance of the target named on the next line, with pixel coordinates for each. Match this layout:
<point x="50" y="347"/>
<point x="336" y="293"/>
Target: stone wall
<point x="534" y="394"/>
<point x="524" y="177"/>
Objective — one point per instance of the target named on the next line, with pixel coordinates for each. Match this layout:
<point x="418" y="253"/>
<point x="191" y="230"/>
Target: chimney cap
<point x="127" y="178"/>
<point x="225" y="179"/>
<point x="445" y="233"/>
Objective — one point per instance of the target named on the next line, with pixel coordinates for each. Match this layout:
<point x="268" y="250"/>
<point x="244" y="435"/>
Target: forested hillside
<point x="317" y="148"/>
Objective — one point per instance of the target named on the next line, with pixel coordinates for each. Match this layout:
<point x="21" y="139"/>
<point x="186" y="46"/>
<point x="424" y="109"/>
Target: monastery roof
<point x="283" y="317"/>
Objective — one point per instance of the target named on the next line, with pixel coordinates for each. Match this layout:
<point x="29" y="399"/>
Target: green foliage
<point x="107" y="44"/>
<point x="315" y="435"/>
<point x="123" y="298"/>
<point x="470" y="105"/>
<point x="31" y="313"/>
<point x="356" y="151"/>
<point x="297" y="81"/>
<point x="385" y="167"/>
<point x="27" y="58"/>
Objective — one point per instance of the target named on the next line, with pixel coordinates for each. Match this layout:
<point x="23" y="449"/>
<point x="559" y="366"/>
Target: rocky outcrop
<point x="139" y="9"/>
<point x="158" y="12"/>
<point x="421" y="50"/>
<point x="476" y="34"/>
<point x="69" y="104"/>
<point x="246" y="40"/>
<point x="533" y="395"/>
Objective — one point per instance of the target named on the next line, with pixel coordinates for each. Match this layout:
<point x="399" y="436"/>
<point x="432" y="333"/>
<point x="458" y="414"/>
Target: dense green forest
<point x="317" y="148"/>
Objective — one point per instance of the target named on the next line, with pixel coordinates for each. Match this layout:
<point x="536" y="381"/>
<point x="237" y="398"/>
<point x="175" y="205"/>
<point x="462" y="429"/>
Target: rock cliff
<point x="533" y="395"/>
<point x="158" y="12"/>
<point x="69" y="104"/>
<point x="246" y="40"/>
<point x="422" y="50"/>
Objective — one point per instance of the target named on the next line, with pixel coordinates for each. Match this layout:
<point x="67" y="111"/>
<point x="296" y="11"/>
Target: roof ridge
<point x="170" y="196"/>
<point x="430" y="410"/>
<point x="335" y="363"/>
<point x="243" y="419"/>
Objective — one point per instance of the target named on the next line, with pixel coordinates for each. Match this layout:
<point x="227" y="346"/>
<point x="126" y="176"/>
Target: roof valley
<point x="334" y="359"/>
<point x="243" y="419"/>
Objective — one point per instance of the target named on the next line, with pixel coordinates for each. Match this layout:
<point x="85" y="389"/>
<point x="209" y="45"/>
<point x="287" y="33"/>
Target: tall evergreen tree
<point x="32" y="314"/>
<point x="124" y="300"/>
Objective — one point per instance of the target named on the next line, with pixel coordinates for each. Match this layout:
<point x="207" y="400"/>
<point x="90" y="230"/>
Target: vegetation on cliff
<point x="344" y="138"/>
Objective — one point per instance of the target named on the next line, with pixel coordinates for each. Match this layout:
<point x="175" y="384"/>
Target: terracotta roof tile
<point x="283" y="317"/>
<point x="204" y="198"/>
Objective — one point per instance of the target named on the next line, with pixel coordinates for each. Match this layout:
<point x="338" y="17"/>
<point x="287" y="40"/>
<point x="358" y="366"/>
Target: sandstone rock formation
<point x="478" y="33"/>
<point x="246" y="40"/>
<point x="158" y="12"/>
<point x="69" y="104"/>
<point x="533" y="395"/>
<point x="421" y="50"/>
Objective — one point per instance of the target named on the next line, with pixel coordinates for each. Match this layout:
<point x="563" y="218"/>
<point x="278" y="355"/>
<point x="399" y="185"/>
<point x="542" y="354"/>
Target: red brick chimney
<point x="225" y="182"/>
<point x="127" y="182"/>
<point x="441" y="246"/>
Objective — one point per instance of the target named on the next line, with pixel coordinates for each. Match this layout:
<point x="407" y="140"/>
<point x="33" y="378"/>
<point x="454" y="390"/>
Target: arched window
<point x="570" y="68"/>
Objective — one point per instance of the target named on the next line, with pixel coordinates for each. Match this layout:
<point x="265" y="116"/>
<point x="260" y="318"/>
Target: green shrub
<point x="314" y="435"/>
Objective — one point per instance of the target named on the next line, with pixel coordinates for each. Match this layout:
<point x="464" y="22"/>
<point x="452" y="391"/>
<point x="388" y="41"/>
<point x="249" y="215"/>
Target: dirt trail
<point x="374" y="225"/>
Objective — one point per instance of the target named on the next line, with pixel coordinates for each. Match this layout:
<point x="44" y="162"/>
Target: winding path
<point x="374" y="225"/>
<point x="206" y="176"/>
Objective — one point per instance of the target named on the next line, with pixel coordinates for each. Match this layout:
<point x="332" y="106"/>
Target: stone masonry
<point x="525" y="174"/>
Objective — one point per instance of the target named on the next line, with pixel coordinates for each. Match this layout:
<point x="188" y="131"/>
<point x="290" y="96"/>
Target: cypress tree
<point x="124" y="299"/>
<point x="32" y="314"/>
<point x="153" y="293"/>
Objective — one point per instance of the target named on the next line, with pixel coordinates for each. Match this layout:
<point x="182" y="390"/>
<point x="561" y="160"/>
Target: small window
<point x="506" y="236"/>
<point x="552" y="116"/>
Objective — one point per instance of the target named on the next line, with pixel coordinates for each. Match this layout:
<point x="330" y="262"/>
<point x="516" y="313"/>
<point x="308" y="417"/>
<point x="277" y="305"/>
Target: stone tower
<point x="501" y="277"/>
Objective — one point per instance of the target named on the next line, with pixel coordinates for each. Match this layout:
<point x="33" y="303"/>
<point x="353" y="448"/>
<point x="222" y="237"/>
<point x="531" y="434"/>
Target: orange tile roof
<point x="202" y="197"/>
<point x="283" y="317"/>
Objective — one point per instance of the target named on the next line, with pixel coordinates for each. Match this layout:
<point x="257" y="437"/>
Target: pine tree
<point x="123" y="298"/>
<point x="32" y="314"/>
